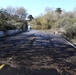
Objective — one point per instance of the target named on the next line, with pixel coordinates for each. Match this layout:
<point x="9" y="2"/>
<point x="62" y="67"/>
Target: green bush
<point x="9" y="21"/>
<point x="71" y="31"/>
<point x="5" y="26"/>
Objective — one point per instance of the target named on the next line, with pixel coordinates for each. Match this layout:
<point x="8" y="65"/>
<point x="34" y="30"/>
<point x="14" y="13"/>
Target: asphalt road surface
<point x="37" y="53"/>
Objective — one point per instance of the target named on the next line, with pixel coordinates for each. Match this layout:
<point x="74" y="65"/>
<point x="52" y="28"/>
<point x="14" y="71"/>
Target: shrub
<point x="71" y="31"/>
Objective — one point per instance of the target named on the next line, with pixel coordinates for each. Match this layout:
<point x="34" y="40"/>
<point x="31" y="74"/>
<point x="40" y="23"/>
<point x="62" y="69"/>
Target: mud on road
<point x="37" y="53"/>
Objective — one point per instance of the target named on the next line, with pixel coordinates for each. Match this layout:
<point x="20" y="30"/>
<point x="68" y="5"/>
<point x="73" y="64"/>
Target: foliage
<point x="58" y="10"/>
<point x="21" y="12"/>
<point x="11" y="18"/>
<point x="57" y="20"/>
<point x="30" y="17"/>
<point x="71" y="31"/>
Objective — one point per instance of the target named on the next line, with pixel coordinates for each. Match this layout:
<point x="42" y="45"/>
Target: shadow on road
<point x="11" y="71"/>
<point x="33" y="54"/>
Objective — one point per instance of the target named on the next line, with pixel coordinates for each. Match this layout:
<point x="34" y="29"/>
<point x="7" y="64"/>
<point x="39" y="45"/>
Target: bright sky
<point x="35" y="7"/>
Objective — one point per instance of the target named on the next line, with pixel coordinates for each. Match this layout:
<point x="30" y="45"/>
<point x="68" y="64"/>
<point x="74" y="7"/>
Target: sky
<point x="36" y="7"/>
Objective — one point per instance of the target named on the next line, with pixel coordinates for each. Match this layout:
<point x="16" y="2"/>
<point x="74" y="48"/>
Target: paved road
<point x="37" y="53"/>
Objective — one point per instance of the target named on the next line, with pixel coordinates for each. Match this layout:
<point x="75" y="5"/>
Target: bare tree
<point x="11" y="10"/>
<point x="48" y="10"/>
<point x="21" y="12"/>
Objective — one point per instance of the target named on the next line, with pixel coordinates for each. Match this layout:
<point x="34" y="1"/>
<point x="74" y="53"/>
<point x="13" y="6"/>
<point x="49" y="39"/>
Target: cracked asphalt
<point x="37" y="53"/>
